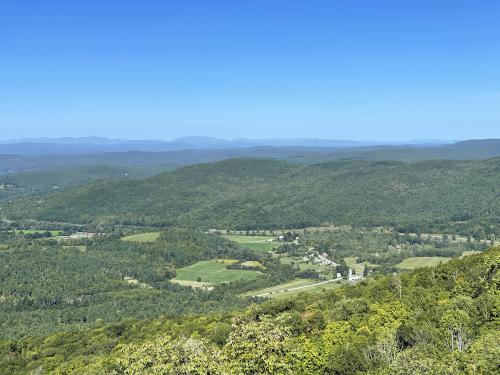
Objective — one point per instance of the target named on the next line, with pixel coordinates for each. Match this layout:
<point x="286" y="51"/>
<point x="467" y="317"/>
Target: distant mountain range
<point x="92" y="145"/>
<point x="165" y="160"/>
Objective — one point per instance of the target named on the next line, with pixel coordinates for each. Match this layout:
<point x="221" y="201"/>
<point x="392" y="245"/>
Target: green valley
<point x="249" y="187"/>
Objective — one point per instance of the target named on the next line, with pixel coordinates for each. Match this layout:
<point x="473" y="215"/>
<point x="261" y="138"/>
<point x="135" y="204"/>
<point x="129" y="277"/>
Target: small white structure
<point x="353" y="277"/>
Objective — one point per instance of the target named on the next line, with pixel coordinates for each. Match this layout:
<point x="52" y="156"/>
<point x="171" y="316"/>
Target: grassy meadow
<point x="258" y="243"/>
<point x="143" y="237"/>
<point x="293" y="287"/>
<point x="419" y="262"/>
<point x="213" y="272"/>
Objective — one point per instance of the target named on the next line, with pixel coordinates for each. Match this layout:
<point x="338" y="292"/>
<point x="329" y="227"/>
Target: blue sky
<point x="364" y="70"/>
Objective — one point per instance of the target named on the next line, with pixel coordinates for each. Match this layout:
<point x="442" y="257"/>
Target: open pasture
<point x="142" y="237"/>
<point x="213" y="272"/>
<point x="252" y="263"/>
<point x="259" y="243"/>
<point x="419" y="262"/>
<point x="227" y="261"/>
<point x="293" y="287"/>
<point x="285" y="286"/>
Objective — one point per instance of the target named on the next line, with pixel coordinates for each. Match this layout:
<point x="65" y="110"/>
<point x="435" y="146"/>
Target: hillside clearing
<point x="259" y="243"/>
<point x="142" y="237"/>
<point x="419" y="262"/>
<point x="293" y="287"/>
<point x="213" y="272"/>
<point x="252" y="263"/>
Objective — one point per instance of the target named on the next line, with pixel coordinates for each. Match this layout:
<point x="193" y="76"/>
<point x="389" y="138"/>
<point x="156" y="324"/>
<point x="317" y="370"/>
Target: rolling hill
<point x="46" y="180"/>
<point x="264" y="193"/>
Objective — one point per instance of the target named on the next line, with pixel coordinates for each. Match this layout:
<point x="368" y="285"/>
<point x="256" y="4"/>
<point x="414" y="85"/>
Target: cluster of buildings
<point x="320" y="259"/>
<point x="323" y="260"/>
<point x="354" y="277"/>
<point x="79" y="236"/>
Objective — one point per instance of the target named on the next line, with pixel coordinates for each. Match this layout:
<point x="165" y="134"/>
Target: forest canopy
<point x="266" y="194"/>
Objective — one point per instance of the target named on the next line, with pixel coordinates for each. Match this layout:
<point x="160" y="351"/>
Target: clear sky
<point x="353" y="69"/>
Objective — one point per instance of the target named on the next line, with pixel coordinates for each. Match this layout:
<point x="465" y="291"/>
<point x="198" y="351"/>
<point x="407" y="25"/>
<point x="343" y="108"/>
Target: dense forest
<point x="441" y="320"/>
<point x="443" y="196"/>
<point x="47" y="286"/>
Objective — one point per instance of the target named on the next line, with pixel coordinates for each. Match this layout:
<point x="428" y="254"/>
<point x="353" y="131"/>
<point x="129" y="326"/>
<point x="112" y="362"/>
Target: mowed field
<point x="213" y="272"/>
<point x="293" y="287"/>
<point x="142" y="237"/>
<point x="285" y="286"/>
<point x="258" y="243"/>
<point x="419" y="262"/>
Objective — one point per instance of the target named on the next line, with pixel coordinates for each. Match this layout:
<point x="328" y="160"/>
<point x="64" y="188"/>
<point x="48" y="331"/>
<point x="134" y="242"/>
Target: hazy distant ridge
<point x="88" y="145"/>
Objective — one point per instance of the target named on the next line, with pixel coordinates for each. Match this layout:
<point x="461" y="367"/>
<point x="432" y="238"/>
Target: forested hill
<point x="441" y="320"/>
<point x="263" y="193"/>
<point x="40" y="181"/>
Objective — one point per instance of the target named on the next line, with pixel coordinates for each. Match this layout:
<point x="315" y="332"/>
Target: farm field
<point x="352" y="263"/>
<point x="290" y="284"/>
<point x="227" y="261"/>
<point x="419" y="262"/>
<point x="143" y="237"/>
<point x="315" y="288"/>
<point x="293" y="287"/>
<point x="213" y="272"/>
<point x="252" y="263"/>
<point x="259" y="243"/>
